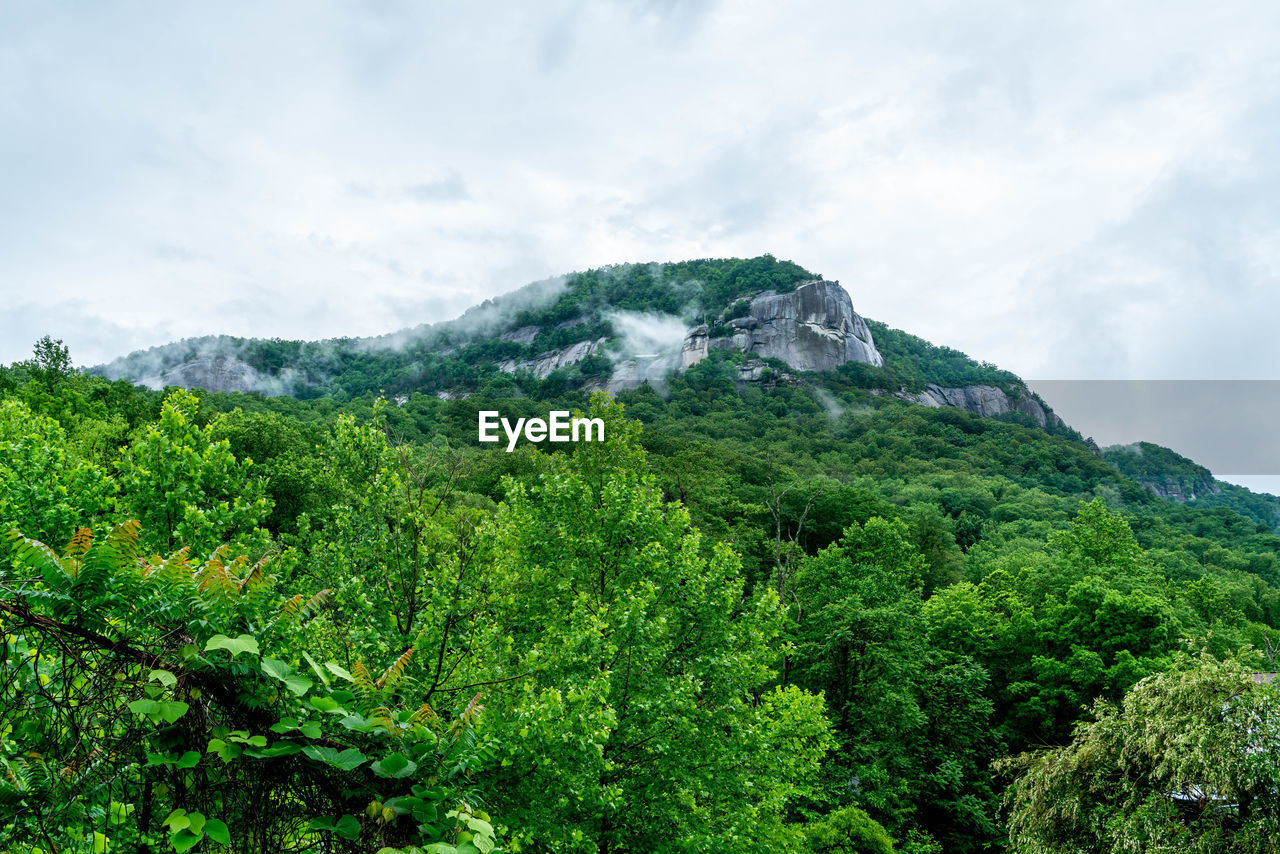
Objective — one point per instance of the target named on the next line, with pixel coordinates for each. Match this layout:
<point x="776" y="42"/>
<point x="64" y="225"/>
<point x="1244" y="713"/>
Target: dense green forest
<point x="766" y="616"/>
<point x="1171" y="473"/>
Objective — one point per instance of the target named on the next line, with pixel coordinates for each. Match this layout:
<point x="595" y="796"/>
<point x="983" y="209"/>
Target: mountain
<point x="614" y="328"/>
<point x="1164" y="472"/>
<point x="1172" y="476"/>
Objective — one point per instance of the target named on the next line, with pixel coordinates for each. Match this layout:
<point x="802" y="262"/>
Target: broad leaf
<point x="217" y="831"/>
<point x="297" y="684"/>
<point x="237" y="645"/>
<point x="394" y="766"/>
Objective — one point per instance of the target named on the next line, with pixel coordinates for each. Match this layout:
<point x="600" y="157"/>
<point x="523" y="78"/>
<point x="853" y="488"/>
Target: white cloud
<point x="1069" y="191"/>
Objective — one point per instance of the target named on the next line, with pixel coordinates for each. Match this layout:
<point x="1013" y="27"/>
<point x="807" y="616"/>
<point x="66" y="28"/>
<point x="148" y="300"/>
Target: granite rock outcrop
<point x="543" y="364"/>
<point x="984" y="400"/>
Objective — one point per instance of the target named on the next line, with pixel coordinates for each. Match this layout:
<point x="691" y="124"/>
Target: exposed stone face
<point x="755" y="371"/>
<point x="542" y="365"/>
<point x="633" y="373"/>
<point x="695" y="348"/>
<point x="984" y="400"/>
<point x="1172" y="490"/>
<point x="523" y="335"/>
<point x="215" y="373"/>
<point x="813" y="328"/>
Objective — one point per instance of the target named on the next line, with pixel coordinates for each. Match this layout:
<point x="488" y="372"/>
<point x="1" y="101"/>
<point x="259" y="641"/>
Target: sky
<point x="1072" y="191"/>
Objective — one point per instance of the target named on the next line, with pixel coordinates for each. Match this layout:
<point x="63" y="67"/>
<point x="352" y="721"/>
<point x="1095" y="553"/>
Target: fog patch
<point x="828" y="400"/>
<point x="647" y="335"/>
<point x="485" y="320"/>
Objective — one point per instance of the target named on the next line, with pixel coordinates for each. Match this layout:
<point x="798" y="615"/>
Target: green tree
<point x="637" y="714"/>
<point x="912" y="722"/>
<point x="399" y="554"/>
<point x="1188" y="762"/>
<point x="847" y="831"/>
<point x="188" y="488"/>
<point x="44" y="488"/>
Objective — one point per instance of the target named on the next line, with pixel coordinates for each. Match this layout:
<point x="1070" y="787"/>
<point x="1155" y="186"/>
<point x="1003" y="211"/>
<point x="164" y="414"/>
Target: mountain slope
<point x="611" y="328"/>
<point x="1174" y="477"/>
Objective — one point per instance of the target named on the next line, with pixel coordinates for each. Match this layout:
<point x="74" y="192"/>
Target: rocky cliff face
<point x="633" y="373"/>
<point x="543" y="364"/>
<point x="813" y="328"/>
<point x="215" y="373"/>
<point x="1169" y="487"/>
<point x="984" y="400"/>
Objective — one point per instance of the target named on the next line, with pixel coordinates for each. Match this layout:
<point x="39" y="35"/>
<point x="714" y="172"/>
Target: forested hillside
<point x="795" y="612"/>
<point x="625" y="308"/>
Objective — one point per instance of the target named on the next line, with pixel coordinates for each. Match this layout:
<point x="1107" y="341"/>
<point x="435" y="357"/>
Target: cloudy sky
<point x="1069" y="190"/>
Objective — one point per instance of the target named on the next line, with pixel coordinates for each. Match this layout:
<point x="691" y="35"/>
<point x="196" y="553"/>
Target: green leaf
<point x="403" y="805"/>
<point x="359" y="723"/>
<point x="298" y="685"/>
<point x="347" y="760"/>
<point x="173" y="710"/>
<point x="426" y="812"/>
<point x="190" y="759"/>
<point x="177" y="820"/>
<point x="327" y="704"/>
<point x="347" y="827"/>
<point x="120" y="812"/>
<point x="394" y="766"/>
<point x="145" y="707"/>
<point x="276" y="669"/>
<point x="316" y="667"/>
<point x="350" y="759"/>
<point x="217" y="831"/>
<point x="164" y="677"/>
<point x="339" y="671"/>
<point x="283" y="748"/>
<point x="225" y="752"/>
<point x="185" y="840"/>
<point x="243" y="643"/>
